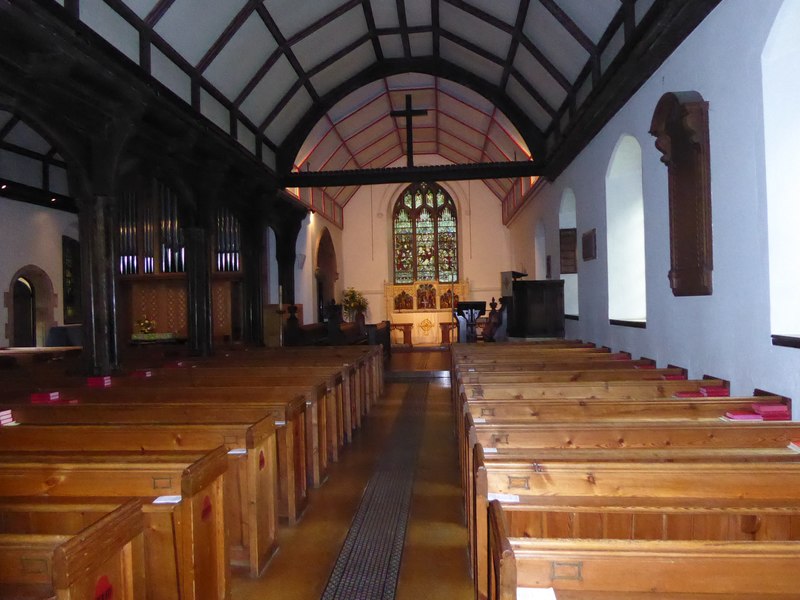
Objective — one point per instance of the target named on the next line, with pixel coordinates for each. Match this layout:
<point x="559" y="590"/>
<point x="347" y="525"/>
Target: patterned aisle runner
<point x="368" y="566"/>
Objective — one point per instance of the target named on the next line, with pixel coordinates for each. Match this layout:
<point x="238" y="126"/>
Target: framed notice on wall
<point x="71" y="263"/>
<point x="589" y="245"/>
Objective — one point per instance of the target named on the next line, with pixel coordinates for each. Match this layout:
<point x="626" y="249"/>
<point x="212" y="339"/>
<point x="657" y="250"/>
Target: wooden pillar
<point x="97" y="225"/>
<point x="253" y="243"/>
<point x="198" y="297"/>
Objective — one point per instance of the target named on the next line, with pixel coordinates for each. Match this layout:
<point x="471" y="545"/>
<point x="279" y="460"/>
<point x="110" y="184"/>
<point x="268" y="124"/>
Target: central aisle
<point x="434" y="561"/>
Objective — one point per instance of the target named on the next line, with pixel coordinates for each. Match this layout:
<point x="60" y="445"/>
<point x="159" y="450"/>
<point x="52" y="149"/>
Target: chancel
<point x="247" y="232"/>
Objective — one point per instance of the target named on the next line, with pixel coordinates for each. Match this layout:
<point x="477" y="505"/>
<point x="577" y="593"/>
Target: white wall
<point x="307" y="243"/>
<point x="726" y="334"/>
<point x="483" y="241"/>
<point x="31" y="235"/>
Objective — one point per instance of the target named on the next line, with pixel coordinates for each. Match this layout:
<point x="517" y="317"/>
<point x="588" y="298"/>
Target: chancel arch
<point x="781" y="93"/>
<point x="568" y="247"/>
<point x="627" y="289"/>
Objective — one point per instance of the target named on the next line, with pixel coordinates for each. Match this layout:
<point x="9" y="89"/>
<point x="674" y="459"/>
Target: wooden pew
<point x="251" y="484"/>
<point x="526" y="480"/>
<point x="196" y="523"/>
<point x="578" y="374"/>
<point x="734" y="568"/>
<point x="106" y="557"/>
<point x="290" y="436"/>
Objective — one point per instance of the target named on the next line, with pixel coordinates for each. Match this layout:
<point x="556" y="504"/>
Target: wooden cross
<point x="409" y="113"/>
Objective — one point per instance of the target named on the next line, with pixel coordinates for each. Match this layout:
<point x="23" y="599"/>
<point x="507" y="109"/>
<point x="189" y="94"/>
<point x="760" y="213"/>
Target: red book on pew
<point x="777" y="417"/>
<point x="765" y="409"/>
<point x="794" y="446"/>
<point x="715" y="391"/>
<point x="99" y="382"/>
<point x="45" y="397"/>
<point x="6" y="418"/>
<point x="142" y="373"/>
<point x="743" y="415"/>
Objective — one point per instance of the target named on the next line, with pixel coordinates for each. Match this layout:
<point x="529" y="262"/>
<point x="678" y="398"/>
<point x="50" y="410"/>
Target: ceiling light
<point x="52" y="199"/>
<point x="4" y="186"/>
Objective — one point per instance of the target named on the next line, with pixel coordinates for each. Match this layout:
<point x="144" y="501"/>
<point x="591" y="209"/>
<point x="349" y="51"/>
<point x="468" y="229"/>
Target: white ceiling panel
<point x="329" y="40"/>
<point x="214" y="111"/>
<point x="475" y="30"/>
<point x="294" y="110"/>
<point x="508" y="128"/>
<point x="526" y="102"/>
<point x="377" y="148"/>
<point x="241" y="58"/>
<point x="465" y="95"/>
<point x="324" y="149"/>
<point x="23" y="136"/>
<point x="462" y="130"/>
<point x="269" y="91"/>
<point x="292" y="16"/>
<point x="379" y="131"/>
<point x="314" y="138"/>
<point x="171" y="75"/>
<point x="192" y="26"/>
<point x="592" y="17"/>
<point x="418" y="12"/>
<point x="367" y="94"/>
<point x="392" y="46"/>
<point x="116" y="30"/>
<point x="505" y="10"/>
<point x="470" y="61"/>
<point x="421" y="44"/>
<point x="533" y="70"/>
<point x="463" y="112"/>
<point x="555" y="42"/>
<point x="140" y="7"/>
<point x="344" y="68"/>
<point x="410" y="81"/>
<point x="384" y="13"/>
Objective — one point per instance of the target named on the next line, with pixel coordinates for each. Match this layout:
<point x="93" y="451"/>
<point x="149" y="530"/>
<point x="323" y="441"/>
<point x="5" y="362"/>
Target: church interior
<point x="362" y="241"/>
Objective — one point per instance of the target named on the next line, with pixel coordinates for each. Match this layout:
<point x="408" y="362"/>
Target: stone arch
<point x="45" y="297"/>
<point x="326" y="271"/>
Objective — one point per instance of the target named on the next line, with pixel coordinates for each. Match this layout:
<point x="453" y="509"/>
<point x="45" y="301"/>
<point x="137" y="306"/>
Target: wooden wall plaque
<point x="589" y="245"/>
<point x="680" y="126"/>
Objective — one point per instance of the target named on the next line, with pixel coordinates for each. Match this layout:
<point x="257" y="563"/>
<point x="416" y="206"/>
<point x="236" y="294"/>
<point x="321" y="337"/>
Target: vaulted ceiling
<point x="308" y="85"/>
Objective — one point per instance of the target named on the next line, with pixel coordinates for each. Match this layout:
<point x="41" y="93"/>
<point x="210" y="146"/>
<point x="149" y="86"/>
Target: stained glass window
<point x="425" y="235"/>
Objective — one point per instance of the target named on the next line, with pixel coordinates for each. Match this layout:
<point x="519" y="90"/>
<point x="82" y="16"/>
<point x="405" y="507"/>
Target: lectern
<point x="471" y="311"/>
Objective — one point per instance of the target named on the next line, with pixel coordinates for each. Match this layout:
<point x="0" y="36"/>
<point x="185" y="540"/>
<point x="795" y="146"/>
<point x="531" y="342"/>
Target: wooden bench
<point x="617" y="565"/>
<point x="251" y="483"/>
<point x="103" y="560"/>
<point x="524" y="480"/>
<point x="135" y="410"/>
<point x="196" y="523"/>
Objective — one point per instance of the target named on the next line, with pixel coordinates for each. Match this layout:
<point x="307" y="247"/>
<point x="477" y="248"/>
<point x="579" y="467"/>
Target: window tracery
<point x="425" y="233"/>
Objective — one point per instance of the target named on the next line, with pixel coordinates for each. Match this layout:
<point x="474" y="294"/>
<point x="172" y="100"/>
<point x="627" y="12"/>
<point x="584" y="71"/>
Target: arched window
<point x="627" y="289"/>
<point x="425" y="228"/>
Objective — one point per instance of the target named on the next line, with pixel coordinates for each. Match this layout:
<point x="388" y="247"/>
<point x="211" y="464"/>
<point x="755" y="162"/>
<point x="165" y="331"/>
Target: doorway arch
<point x="30" y="296"/>
<point x="325" y="273"/>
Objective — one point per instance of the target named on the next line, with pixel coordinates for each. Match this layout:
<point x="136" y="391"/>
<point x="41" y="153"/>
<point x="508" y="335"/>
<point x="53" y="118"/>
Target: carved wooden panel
<point x="162" y="301"/>
<point x="680" y="126"/>
<point x="568" y="250"/>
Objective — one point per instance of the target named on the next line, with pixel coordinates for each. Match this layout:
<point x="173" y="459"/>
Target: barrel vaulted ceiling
<point x="308" y="85"/>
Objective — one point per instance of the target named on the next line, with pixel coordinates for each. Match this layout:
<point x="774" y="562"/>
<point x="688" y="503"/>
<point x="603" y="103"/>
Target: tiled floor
<point x="434" y="564"/>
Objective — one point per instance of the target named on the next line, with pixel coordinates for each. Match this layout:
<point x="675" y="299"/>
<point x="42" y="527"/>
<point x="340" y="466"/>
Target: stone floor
<point x="434" y="561"/>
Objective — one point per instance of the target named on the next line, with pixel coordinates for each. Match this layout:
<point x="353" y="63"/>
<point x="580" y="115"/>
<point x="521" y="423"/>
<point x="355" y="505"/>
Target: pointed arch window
<point x="425" y="228"/>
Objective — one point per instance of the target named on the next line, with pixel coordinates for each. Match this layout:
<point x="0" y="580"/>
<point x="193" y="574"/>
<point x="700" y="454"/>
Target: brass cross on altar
<point x="409" y="113"/>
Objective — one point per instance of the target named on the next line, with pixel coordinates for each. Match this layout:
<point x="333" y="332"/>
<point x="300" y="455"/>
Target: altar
<point x="427" y="306"/>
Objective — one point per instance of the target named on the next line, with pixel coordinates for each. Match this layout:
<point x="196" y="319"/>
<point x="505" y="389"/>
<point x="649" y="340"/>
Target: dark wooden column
<point x="287" y="228"/>
<point x="198" y="282"/>
<point x="253" y="243"/>
<point x="97" y="225"/>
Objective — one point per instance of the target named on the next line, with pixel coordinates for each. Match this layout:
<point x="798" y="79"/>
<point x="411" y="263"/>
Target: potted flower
<point x="354" y="305"/>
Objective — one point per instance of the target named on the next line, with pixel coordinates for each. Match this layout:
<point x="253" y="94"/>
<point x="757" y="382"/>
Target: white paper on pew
<point x="167" y="500"/>
<point x="490" y="450"/>
<point x="502" y="497"/>
<point x="536" y="594"/>
<point x="478" y="420"/>
<point x="237" y="451"/>
<point x="280" y="423"/>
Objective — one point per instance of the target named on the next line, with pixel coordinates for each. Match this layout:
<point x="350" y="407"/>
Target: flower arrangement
<point x="146" y="325"/>
<point x="353" y="302"/>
